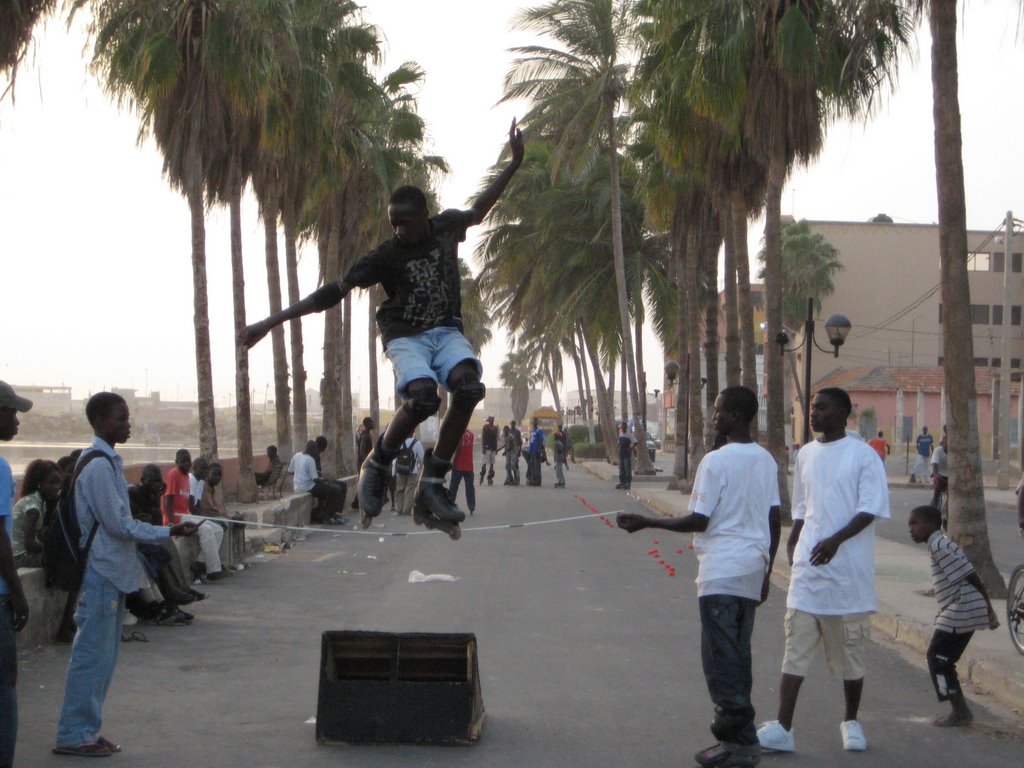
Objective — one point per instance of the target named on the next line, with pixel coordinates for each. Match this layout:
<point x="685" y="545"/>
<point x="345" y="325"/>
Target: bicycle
<point x="1015" y="606"/>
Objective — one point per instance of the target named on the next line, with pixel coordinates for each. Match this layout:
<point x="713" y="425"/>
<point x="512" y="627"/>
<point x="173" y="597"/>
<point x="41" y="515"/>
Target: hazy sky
<point x="95" y="245"/>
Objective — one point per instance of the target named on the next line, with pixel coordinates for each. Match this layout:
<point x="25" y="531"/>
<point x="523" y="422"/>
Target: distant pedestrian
<point x="964" y="607"/>
<point x="489" y="447"/>
<point x="940" y="474"/>
<point x="627" y="447"/>
<point x="734" y="512"/>
<point x="462" y="470"/>
<point x="839" y="490"/>
<point x="560" y="444"/>
<point x="924" y="445"/>
<point x="406" y="467"/>
<point x="535" y="455"/>
<point x="881" y="446"/>
<point x="517" y="437"/>
<point x="112" y="570"/>
<point x="510" y="452"/>
<point x="13" y="605"/>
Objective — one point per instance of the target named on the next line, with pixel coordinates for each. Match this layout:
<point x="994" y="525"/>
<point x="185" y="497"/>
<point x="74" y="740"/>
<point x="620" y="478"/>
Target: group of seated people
<point x="187" y="491"/>
<point x="305" y="471"/>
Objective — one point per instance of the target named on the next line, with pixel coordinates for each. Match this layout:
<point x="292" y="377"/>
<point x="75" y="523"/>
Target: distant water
<point x="20" y="454"/>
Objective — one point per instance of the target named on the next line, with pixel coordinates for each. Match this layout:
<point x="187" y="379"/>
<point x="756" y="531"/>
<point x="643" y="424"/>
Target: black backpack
<point x="63" y="559"/>
<point x="405" y="462"/>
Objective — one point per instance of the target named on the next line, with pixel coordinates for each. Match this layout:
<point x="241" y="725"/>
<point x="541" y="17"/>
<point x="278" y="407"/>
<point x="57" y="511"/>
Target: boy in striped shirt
<point x="964" y="606"/>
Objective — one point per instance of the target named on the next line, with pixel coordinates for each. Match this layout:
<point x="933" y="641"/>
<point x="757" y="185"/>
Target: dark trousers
<point x="533" y="469"/>
<point x="626" y="470"/>
<point x="453" y="487"/>
<point x="727" y="624"/>
<point x="8" y="682"/>
<point x="944" y="652"/>
<point x="330" y="496"/>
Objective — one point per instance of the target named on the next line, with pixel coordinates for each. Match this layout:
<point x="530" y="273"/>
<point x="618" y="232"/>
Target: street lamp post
<point x="838" y="328"/>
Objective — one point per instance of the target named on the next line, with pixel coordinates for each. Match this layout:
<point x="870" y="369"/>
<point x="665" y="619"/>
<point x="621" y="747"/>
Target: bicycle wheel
<point x="1015" y="608"/>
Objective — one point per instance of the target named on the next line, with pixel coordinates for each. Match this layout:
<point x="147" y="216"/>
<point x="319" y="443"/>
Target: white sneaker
<point x="129" y="619"/>
<point x="853" y="736"/>
<point x="773" y="736"/>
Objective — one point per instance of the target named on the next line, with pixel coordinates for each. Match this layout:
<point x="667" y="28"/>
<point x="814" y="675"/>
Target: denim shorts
<point x="429" y="355"/>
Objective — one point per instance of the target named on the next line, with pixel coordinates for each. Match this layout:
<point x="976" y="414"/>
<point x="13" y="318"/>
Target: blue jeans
<point x="98" y="616"/>
<point x="453" y="487"/>
<point x="727" y="623"/>
<point x="8" y="684"/>
<point x="626" y="470"/>
<point x="431" y="354"/>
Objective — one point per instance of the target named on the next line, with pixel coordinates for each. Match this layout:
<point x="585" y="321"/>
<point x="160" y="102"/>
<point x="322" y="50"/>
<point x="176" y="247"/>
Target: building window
<point x="979" y="314"/>
<point x="1015" y="260"/>
<point x="981" y="362"/>
<point x="1015" y="362"/>
<point x="997" y="314"/>
<point x="998" y="260"/>
<point x="997" y="362"/>
<point x="942" y="361"/>
<point x="978" y="262"/>
<point x="1015" y="315"/>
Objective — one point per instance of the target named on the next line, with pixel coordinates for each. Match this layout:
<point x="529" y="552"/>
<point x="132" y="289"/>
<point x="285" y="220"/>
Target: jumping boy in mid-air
<point x="421" y="328"/>
<point x="963" y="608"/>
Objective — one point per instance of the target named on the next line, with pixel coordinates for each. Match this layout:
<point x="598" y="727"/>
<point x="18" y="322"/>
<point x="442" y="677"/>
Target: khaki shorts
<point x="844" y="638"/>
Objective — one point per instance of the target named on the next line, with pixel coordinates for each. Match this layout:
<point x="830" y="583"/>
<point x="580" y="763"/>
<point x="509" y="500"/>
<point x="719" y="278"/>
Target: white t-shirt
<point x="303" y="466"/>
<point x="195" y="487"/>
<point x="734" y="488"/>
<point x="832" y="482"/>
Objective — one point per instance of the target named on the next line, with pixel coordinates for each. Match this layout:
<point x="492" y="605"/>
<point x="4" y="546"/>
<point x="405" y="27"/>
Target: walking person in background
<point x="535" y="455"/>
<point x="406" y="468"/>
<point x="881" y="446"/>
<point x="13" y="605"/>
<point x="940" y="475"/>
<point x="462" y="470"/>
<point x="561" y="449"/>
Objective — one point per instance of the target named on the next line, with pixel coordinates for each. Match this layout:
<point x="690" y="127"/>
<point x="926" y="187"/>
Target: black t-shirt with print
<point x="421" y="280"/>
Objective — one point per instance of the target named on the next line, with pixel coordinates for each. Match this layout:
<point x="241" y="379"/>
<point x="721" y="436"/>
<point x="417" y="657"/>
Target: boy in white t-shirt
<point x="839" y="489"/>
<point x="735" y="513"/>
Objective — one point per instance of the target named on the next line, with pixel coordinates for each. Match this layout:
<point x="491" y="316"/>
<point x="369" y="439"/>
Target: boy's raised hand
<point x="630" y="522"/>
<point x="516" y="143"/>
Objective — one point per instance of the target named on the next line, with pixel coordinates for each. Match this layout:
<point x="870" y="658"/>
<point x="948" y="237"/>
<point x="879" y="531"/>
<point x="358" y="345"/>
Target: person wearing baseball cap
<point x="13" y="605"/>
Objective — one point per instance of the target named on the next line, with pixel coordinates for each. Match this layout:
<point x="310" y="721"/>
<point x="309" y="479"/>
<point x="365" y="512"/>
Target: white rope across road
<point x="357" y="532"/>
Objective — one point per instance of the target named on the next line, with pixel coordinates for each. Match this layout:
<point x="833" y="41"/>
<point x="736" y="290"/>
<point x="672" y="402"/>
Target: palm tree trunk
<point x="299" y="423"/>
<point x="201" y="323"/>
<point x="643" y="463"/>
<point x="243" y="411"/>
<point x="745" y="307"/>
<point x="282" y="399"/>
<point x="588" y="406"/>
<point x="773" y="371"/>
<point x="605" y="417"/>
<point x="371" y="332"/>
<point x="346" y="458"/>
<point x="696" y="406"/>
<point x="967" y="523"/>
<point x="332" y="335"/>
<point x="712" y="241"/>
<point x="623" y="394"/>
<point x="553" y="385"/>
<point x="732" y="318"/>
<point x="682" y="474"/>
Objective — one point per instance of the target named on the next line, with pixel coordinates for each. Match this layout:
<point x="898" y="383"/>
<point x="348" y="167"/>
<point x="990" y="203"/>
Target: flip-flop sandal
<point x="134" y="637"/>
<point x="92" y="749"/>
<point x="108" y="744"/>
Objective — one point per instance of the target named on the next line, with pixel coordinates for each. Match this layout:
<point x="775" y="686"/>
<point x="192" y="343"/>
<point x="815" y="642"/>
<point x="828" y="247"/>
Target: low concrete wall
<point x="46" y="605"/>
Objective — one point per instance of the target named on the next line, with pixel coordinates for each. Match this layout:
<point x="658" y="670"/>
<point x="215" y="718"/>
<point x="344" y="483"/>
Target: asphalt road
<point x="1003" y="532"/>
<point x="588" y="655"/>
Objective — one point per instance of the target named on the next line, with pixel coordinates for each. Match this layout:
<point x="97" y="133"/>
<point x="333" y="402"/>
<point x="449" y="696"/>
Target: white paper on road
<point x="416" y="577"/>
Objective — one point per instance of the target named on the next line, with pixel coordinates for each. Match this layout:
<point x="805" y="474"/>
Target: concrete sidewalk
<point x="906" y="613"/>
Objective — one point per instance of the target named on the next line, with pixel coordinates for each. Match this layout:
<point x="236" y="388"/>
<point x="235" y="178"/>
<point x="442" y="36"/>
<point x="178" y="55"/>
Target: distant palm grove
<point x="656" y="130"/>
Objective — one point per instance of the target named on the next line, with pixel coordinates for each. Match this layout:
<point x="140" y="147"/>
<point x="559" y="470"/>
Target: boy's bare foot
<point x="953" y="720"/>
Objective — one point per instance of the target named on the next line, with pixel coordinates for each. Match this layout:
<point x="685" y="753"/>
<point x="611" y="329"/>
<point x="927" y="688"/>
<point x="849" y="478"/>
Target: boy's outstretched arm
<point x="323" y="297"/>
<point x="975" y="581"/>
<point x="490" y="196"/>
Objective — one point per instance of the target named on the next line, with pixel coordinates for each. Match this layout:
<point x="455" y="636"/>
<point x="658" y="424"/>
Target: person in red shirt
<point x="462" y="469"/>
<point x="180" y="506"/>
<point x="881" y="446"/>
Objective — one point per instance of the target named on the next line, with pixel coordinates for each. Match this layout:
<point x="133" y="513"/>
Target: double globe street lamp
<point x="838" y="328"/>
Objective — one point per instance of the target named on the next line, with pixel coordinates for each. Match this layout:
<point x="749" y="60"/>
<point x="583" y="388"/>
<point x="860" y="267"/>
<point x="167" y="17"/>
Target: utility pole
<point x="1003" y="474"/>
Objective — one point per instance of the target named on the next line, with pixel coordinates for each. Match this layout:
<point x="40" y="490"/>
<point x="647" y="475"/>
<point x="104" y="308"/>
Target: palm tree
<point x="967" y="522"/>
<point x="18" y="19"/>
<point x="577" y="90"/>
<point x="809" y="263"/>
<point x="518" y="375"/>
<point x="149" y="57"/>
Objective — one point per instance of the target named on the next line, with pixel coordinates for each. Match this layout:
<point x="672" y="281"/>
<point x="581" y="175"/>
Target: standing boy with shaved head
<point x="421" y="326"/>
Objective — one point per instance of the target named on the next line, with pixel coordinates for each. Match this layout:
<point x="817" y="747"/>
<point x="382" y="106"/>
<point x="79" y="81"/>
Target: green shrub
<point x="590" y="451"/>
<point x="578" y="434"/>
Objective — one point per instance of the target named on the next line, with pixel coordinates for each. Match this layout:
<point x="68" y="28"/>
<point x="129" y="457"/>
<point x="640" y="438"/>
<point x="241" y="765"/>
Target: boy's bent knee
<point x="467" y="390"/>
<point x="422" y="402"/>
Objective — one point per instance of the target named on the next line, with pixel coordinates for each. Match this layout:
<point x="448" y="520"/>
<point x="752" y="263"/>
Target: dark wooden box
<point x="410" y="687"/>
